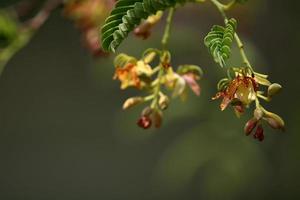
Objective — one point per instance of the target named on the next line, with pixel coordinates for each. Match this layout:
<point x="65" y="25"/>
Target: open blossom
<point x="131" y="73"/>
<point x="179" y="82"/>
<point x="191" y="79"/>
<point x="241" y="91"/>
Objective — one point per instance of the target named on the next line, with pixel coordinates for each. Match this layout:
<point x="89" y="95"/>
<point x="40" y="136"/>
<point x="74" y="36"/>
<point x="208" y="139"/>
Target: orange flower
<point x="242" y="89"/>
<point x="130" y="74"/>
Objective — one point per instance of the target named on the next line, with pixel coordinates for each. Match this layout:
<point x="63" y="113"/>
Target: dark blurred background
<point x="64" y="136"/>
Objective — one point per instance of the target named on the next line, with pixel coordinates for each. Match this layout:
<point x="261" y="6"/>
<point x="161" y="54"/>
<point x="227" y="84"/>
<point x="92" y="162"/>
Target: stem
<point x="27" y="32"/>
<point x="267" y="99"/>
<point x="164" y="42"/>
<point x="222" y="8"/>
<point x="166" y="35"/>
<point x="230" y="5"/>
<point x="157" y="88"/>
<point x="242" y="51"/>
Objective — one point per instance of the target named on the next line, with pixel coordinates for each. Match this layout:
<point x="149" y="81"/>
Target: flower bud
<point x="157" y="118"/>
<point x="143" y="30"/>
<point x="258" y="113"/>
<point x="274" y="89"/>
<point x="147" y="111"/>
<point x="275" y="121"/>
<point x="163" y="102"/>
<point x="250" y="125"/>
<point x="259" y="133"/>
<point x="132" y="102"/>
<point x="166" y="59"/>
<point x="144" y="122"/>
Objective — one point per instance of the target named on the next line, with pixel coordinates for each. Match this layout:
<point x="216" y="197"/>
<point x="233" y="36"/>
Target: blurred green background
<point x="64" y="136"/>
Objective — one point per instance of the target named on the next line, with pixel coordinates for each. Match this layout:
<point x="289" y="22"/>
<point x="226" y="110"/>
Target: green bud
<point x="274" y="89"/>
<point x="275" y="121"/>
<point x="163" y="102"/>
<point x="166" y="59"/>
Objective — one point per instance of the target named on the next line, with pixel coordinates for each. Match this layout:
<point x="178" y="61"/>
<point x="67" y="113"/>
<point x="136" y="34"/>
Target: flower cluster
<point x="156" y="81"/>
<point x="240" y="90"/>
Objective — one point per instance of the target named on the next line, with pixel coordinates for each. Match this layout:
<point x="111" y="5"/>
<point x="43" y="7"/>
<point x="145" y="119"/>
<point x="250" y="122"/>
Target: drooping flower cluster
<point x="241" y="90"/>
<point x="140" y="74"/>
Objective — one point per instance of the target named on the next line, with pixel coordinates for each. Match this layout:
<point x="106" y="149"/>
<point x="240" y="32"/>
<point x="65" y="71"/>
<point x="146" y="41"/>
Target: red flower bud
<point x="250" y="125"/>
<point x="259" y="133"/>
<point x="144" y="122"/>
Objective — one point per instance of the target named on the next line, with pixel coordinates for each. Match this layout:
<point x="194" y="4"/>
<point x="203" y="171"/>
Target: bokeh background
<point x="64" y="136"/>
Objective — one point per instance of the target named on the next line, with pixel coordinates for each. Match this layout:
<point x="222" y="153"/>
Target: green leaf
<point x="219" y="41"/>
<point x="126" y="15"/>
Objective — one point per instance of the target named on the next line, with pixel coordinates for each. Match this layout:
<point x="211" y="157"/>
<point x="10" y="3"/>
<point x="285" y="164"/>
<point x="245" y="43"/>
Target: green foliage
<point x="8" y="29"/>
<point x="126" y="15"/>
<point x="219" y="41"/>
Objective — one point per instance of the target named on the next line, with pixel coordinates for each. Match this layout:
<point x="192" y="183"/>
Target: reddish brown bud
<point x="147" y="111"/>
<point x="250" y="125"/>
<point x="144" y="122"/>
<point x="143" y="30"/>
<point x="259" y="133"/>
<point x="157" y="118"/>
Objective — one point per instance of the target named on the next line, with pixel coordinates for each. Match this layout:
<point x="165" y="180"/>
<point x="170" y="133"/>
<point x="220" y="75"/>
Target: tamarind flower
<point x="191" y="80"/>
<point x="133" y="74"/>
<point x="241" y="91"/>
<point x="179" y="81"/>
